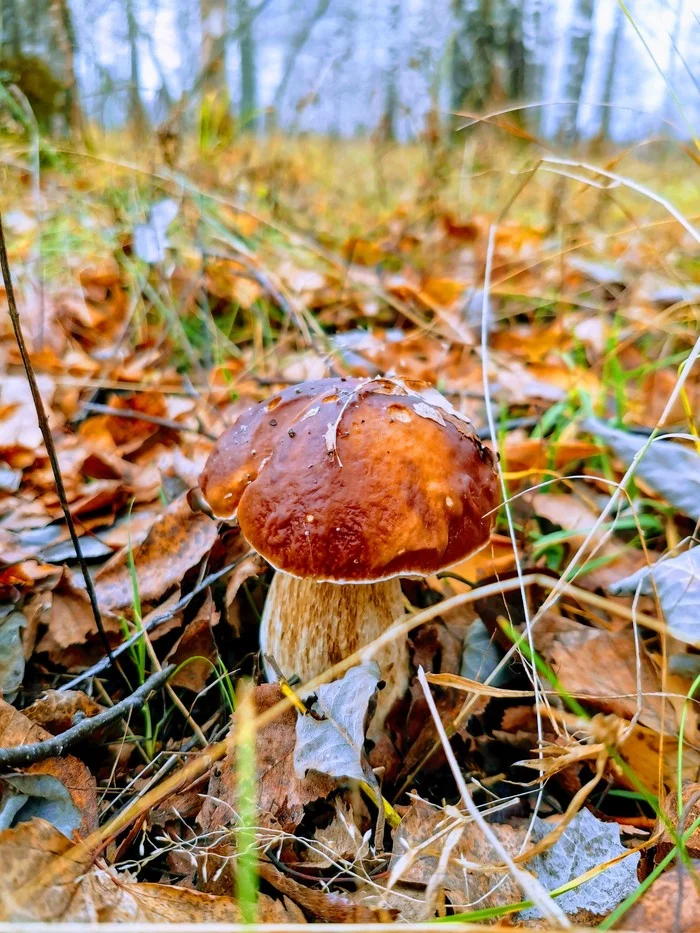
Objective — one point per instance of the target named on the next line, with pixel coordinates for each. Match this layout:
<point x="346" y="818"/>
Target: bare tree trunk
<point x="298" y="42"/>
<point x="137" y="111"/>
<point x="11" y="32"/>
<point x="472" y="64"/>
<point x="391" y="105"/>
<point x="213" y="47"/>
<point x="668" y="106"/>
<point x="246" y="41"/>
<point x="581" y="28"/>
<point x="69" y="46"/>
<point x="611" y="68"/>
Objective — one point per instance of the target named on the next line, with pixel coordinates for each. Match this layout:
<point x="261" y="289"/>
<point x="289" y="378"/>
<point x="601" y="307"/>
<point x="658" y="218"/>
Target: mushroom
<point x="344" y="486"/>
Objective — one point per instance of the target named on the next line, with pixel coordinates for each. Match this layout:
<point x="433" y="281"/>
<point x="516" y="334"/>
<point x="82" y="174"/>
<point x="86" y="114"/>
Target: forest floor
<point x="543" y="767"/>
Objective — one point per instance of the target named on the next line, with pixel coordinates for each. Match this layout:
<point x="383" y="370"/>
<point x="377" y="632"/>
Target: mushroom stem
<point x="307" y="627"/>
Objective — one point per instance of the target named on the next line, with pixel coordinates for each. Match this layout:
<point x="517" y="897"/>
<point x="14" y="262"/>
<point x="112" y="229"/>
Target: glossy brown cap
<point x="353" y="480"/>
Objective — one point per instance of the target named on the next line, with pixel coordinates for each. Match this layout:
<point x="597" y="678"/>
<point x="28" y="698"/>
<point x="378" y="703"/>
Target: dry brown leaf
<point x="70" y="623"/>
<point x="691" y="811"/>
<point x="17" y="729"/>
<point x="55" y="710"/>
<point x="600" y="665"/>
<point x="324" y="905"/>
<point x="82" y="892"/>
<point x="573" y="515"/>
<point x="281" y="795"/>
<point x="196" y="643"/>
<point x="424" y="831"/>
<point x="19" y="427"/>
<point x="670" y="905"/>
<point x="175" y="543"/>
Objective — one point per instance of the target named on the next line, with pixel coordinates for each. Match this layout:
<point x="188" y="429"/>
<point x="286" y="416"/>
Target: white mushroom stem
<point x="307" y="627"/>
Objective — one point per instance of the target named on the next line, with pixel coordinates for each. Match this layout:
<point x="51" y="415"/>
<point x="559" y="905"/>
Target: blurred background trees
<point x="397" y="68"/>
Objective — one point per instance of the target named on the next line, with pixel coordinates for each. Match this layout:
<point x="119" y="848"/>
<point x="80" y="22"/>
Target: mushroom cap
<point x="355" y="480"/>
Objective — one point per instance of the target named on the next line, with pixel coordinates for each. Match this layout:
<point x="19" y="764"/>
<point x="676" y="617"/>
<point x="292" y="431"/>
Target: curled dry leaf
<point x="55" y="711"/>
<point x="333" y="744"/>
<point x="175" y="543"/>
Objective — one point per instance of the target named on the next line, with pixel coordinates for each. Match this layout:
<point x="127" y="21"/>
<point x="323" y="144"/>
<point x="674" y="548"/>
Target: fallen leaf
<point x="58" y="710"/>
<point x="670" y="905"/>
<point x="11" y="654"/>
<point x="19" y="427"/>
<point x="17" y="729"/>
<point x="600" y="667"/>
<point x="667" y="467"/>
<point x="26" y="797"/>
<point x="677" y="582"/>
<point x="150" y="238"/>
<point x="333" y="745"/>
<point x="195" y="649"/>
<point x="78" y="891"/>
<point x="586" y="843"/>
<point x="175" y="543"/>
<point x="327" y="906"/>
<point x="282" y="796"/>
<point x="573" y="515"/>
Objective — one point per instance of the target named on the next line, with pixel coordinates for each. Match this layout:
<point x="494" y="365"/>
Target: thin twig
<point x="143" y="416"/>
<point x="18" y="756"/>
<point x="104" y="663"/>
<point x="51" y="448"/>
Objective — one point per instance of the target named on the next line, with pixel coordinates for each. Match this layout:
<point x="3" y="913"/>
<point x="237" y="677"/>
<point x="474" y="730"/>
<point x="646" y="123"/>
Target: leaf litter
<point x="151" y="338"/>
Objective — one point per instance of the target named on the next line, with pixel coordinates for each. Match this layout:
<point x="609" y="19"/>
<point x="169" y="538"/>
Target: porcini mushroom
<point x="344" y="486"/>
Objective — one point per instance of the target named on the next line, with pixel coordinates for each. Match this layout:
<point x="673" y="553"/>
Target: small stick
<point x="51" y="448"/>
<point x="104" y="663"/>
<point x="96" y="408"/>
<point x="18" y="756"/>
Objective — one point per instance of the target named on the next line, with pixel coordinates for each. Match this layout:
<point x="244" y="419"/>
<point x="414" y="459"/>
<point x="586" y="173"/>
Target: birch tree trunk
<point x="246" y="44"/>
<point x="580" y="30"/>
<point x="137" y="112"/>
<point x="610" y="70"/>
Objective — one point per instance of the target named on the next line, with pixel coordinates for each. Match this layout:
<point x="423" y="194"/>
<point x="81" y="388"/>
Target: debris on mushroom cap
<point x="355" y="480"/>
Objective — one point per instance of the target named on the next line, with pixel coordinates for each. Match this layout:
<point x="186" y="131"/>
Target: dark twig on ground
<point x="104" y="663"/>
<point x="18" y="756"/>
<point x="51" y="447"/>
<point x="96" y="408"/>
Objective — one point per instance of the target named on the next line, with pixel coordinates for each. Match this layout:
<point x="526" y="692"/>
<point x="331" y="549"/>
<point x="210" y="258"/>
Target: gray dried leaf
<point x="333" y="745"/>
<point x="29" y="796"/>
<point x="481" y="656"/>
<point x="11" y="655"/>
<point x="677" y="582"/>
<point x="670" y="468"/>
<point x="585" y="844"/>
<point x="150" y="239"/>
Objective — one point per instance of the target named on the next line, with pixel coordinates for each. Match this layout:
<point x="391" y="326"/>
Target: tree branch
<point x="18" y="756"/>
